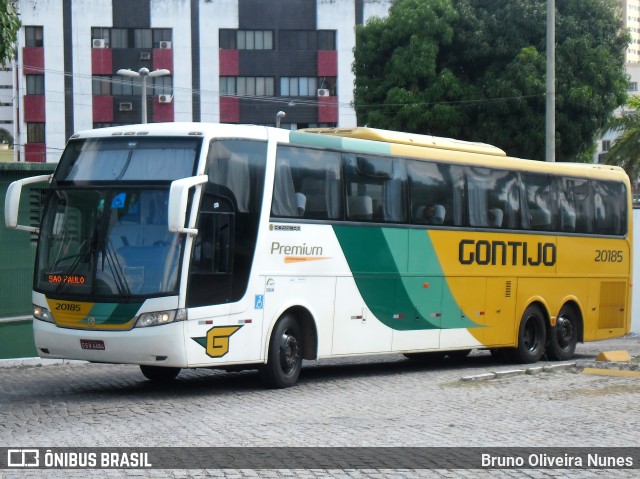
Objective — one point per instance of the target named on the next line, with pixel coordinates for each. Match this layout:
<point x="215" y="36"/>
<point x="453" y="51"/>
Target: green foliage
<point x="9" y="28"/>
<point x="475" y="70"/>
<point x="625" y="150"/>
<point x="6" y="137"/>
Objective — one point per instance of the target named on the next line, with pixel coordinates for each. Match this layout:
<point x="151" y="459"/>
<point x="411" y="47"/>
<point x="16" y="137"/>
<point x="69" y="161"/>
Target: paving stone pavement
<point x="369" y="401"/>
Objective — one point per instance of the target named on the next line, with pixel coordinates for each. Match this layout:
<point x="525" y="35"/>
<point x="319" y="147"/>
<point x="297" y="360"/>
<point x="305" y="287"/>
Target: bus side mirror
<point x="12" y="202"/>
<point x="179" y="201"/>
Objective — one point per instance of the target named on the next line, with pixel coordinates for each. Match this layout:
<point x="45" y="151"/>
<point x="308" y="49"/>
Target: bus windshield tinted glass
<point x="108" y="243"/>
<point x="128" y="159"/>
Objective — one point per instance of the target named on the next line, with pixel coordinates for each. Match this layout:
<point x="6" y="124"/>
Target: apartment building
<point x="234" y="61"/>
<point x="6" y="99"/>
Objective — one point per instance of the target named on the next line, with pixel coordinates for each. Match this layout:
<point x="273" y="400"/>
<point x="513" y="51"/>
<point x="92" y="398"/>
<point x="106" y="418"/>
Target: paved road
<point x="372" y="401"/>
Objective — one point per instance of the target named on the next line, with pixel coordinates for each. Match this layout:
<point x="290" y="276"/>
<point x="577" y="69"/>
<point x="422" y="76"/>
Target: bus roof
<point x="413" y="139"/>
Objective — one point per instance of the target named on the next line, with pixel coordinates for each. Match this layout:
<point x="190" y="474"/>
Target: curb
<point x="35" y="362"/>
<point x="550" y="368"/>
<point x="580" y="365"/>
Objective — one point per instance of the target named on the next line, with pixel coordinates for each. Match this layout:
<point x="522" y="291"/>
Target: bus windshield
<point x="105" y="229"/>
<point x="108" y="243"/>
<point x="128" y="159"/>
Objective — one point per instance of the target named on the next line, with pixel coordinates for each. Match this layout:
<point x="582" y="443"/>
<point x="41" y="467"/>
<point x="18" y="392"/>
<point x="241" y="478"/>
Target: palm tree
<point x="625" y="150"/>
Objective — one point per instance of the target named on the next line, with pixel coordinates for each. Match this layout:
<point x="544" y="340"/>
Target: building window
<point x="246" y="39"/>
<point x="247" y="86"/>
<point x="35" y="132"/>
<point x="326" y="39"/>
<point x="606" y="145"/>
<point x="298" y="86"/>
<point x="119" y="38"/>
<point x="633" y="86"/>
<point x="101" y="85"/>
<point x="142" y="38"/>
<point x="100" y="33"/>
<point x="35" y="84"/>
<point x="123" y="86"/>
<point x="161" y="35"/>
<point x="33" y="36"/>
<point x="163" y="85"/>
<point x="298" y="40"/>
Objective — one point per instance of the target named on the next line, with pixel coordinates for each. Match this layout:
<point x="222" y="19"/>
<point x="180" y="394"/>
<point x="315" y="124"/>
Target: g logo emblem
<point x="218" y="340"/>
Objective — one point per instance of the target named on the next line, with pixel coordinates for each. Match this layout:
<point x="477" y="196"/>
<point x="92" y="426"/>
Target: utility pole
<point x="550" y="134"/>
<point x="144" y="73"/>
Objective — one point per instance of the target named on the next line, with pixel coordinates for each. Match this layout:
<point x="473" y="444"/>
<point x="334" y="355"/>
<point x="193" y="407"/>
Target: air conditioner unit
<point x="323" y="92"/>
<point x="98" y="43"/>
<point x="165" y="98"/>
<point x="145" y="56"/>
<point x="165" y="44"/>
<point x="126" y="106"/>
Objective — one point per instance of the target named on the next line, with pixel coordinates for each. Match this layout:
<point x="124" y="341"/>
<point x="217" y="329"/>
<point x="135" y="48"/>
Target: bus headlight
<point x="160" y="317"/>
<point x="43" y="314"/>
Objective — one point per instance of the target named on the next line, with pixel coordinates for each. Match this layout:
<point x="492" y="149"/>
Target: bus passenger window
<point x="307" y="184"/>
<point x="610" y="207"/>
<point x="580" y="202"/>
<point x="375" y="188"/>
<point x="435" y="193"/>
<point x="541" y="210"/>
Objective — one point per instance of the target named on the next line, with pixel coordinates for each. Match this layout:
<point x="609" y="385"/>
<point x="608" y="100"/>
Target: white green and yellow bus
<point x="190" y="245"/>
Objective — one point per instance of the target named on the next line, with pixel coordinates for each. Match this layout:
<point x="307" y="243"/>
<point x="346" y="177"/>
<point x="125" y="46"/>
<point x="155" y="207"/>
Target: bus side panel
<point x="607" y="264"/>
<point x="216" y="337"/>
<point x="426" y="295"/>
<point x="316" y="294"/>
<point x="356" y="329"/>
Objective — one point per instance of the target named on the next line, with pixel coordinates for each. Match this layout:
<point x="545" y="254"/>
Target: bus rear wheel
<point x="532" y="335"/>
<point x="159" y="373"/>
<point x="285" y="354"/>
<point x="564" y="335"/>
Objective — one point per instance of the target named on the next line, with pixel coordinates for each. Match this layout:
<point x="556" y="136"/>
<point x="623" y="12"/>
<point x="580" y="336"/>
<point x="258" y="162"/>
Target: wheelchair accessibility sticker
<point x="259" y="304"/>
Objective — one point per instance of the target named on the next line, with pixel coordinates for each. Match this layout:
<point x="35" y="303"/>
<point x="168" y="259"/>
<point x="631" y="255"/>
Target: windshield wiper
<point x="116" y="270"/>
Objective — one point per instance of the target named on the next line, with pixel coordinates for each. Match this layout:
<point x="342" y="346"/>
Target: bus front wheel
<point x="564" y="335"/>
<point x="285" y="354"/>
<point x="531" y="337"/>
<point x="159" y="373"/>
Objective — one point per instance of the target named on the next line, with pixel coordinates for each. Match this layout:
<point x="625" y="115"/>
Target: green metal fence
<point x="17" y="253"/>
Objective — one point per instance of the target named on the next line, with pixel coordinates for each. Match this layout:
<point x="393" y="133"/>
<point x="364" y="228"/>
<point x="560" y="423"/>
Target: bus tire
<point x="284" y="362"/>
<point x="159" y="373"/>
<point x="532" y="335"/>
<point x="563" y="336"/>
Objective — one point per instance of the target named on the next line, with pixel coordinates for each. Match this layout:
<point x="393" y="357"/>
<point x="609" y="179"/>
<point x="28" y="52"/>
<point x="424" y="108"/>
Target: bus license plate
<point x="95" y="344"/>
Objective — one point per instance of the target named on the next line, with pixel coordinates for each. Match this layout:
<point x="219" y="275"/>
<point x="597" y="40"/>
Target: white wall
<point x="341" y="16"/>
<point x="83" y="18"/>
<point x="635" y="292"/>
<point x="213" y="16"/>
<point x="48" y="14"/>
<point x="176" y="14"/>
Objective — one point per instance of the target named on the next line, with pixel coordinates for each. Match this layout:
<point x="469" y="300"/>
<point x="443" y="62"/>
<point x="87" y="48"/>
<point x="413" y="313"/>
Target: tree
<point x="625" y="150"/>
<point x="6" y="137"/>
<point x="9" y="28"/>
<point x="475" y="70"/>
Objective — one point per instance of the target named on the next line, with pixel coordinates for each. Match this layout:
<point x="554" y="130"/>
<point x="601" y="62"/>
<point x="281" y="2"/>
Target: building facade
<point x="233" y="61"/>
<point x="631" y="21"/>
<point x="6" y="99"/>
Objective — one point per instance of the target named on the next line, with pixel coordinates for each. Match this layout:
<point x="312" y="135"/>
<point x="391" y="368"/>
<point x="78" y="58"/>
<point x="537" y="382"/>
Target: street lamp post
<point x="143" y="73"/>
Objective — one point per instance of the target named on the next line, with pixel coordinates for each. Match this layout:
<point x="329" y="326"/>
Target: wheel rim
<point x="564" y="332"/>
<point x="289" y="352"/>
<point x="531" y="334"/>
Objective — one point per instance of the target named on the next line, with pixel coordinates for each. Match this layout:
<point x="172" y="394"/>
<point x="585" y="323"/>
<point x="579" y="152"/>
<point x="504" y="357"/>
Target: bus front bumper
<point x="154" y="346"/>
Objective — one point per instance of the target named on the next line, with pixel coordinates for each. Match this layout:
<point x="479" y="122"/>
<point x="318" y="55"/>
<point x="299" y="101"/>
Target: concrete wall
<point x="635" y="307"/>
